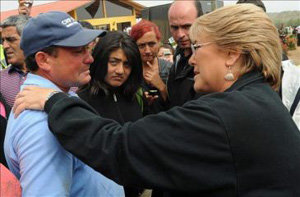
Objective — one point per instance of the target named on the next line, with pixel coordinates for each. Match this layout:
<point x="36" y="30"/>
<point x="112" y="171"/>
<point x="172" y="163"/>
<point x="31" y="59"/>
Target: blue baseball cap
<point x="55" y="29"/>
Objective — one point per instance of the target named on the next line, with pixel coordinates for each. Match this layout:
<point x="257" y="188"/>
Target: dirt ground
<point x="295" y="56"/>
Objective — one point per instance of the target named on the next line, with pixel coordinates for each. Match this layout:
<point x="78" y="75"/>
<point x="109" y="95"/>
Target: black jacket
<point x="114" y="106"/>
<point x="241" y="142"/>
<point x="181" y="81"/>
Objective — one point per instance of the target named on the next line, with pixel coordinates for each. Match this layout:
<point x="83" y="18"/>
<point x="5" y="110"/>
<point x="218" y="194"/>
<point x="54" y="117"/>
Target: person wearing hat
<point x="55" y="47"/>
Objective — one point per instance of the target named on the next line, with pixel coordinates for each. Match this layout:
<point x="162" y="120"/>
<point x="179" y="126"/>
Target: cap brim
<point x="81" y="38"/>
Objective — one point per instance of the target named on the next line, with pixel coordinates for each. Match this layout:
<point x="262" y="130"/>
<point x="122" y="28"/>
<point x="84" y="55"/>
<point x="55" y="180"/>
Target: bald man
<point x="180" y="84"/>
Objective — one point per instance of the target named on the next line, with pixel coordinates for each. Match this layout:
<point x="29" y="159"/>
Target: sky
<point x="271" y="5"/>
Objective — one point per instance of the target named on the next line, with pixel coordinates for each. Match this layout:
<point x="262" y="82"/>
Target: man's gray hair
<point x="19" y="21"/>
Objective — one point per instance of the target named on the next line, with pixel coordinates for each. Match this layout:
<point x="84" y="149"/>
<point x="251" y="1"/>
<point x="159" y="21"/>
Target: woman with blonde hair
<point x="239" y="140"/>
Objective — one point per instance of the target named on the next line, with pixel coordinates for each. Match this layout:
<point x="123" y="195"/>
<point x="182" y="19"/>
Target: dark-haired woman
<point x="116" y="76"/>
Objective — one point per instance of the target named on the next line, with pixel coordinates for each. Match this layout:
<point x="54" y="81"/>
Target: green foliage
<point x="291" y="41"/>
<point x="286" y="18"/>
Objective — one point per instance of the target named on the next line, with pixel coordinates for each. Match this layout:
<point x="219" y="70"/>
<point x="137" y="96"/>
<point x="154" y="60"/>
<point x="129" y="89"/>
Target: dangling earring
<point x="229" y="76"/>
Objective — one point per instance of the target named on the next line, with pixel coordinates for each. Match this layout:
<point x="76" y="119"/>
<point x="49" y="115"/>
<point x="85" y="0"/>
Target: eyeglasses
<point x="150" y="44"/>
<point x="196" y="46"/>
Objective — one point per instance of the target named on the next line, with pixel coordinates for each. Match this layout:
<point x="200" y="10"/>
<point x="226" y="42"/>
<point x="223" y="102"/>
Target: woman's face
<point x="118" y="69"/>
<point x="148" y="46"/>
<point x="210" y="66"/>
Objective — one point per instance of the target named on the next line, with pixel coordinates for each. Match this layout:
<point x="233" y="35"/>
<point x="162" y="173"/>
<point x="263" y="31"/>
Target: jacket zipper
<point x="117" y="106"/>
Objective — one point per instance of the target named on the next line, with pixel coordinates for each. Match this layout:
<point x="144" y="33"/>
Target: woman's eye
<point x="113" y="62"/>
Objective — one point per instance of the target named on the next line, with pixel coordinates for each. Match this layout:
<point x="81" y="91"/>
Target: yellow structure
<point x="109" y="14"/>
<point x="102" y="14"/>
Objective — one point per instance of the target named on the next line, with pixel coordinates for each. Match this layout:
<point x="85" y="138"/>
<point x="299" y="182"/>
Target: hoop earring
<point x="229" y="76"/>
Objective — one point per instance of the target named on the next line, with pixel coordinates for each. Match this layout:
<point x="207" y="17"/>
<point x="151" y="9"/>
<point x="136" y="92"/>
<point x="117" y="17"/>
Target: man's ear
<point x="43" y="61"/>
<point x="232" y="58"/>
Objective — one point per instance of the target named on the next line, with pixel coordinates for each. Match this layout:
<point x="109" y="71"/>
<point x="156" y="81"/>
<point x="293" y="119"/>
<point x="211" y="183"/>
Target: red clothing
<point x="9" y="184"/>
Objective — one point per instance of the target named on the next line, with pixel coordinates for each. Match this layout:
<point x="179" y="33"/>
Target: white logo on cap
<point x="69" y="22"/>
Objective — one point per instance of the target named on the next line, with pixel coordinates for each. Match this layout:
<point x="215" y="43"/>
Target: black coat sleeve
<point x="184" y="149"/>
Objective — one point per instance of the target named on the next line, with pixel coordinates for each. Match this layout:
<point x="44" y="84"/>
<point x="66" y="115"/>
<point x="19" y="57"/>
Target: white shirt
<point x="290" y="86"/>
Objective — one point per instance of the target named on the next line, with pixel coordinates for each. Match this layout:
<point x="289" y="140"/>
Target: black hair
<point x="30" y="61"/>
<point x="98" y="69"/>
<point x="258" y="3"/>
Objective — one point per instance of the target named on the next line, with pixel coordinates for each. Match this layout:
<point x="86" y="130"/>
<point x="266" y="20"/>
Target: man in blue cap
<point x="55" y="47"/>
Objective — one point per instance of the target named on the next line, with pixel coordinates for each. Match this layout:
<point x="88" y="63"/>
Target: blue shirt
<point x="41" y="164"/>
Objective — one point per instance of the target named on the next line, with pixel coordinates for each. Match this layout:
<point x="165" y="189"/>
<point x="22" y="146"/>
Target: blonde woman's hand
<point x="31" y="97"/>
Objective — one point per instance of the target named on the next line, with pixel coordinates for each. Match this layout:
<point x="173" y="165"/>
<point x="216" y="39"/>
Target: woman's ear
<point x="232" y="58"/>
<point x="43" y="61"/>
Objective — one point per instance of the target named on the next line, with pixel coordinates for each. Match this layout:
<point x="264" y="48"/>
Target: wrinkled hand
<point x="23" y="8"/>
<point x="150" y="99"/>
<point x="31" y="97"/>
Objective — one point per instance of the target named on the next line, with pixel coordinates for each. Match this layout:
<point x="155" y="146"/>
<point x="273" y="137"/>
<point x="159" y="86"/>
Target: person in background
<point x="25" y="7"/>
<point x="4" y="112"/>
<point x="238" y="140"/>
<point x="258" y="3"/>
<point x="13" y="77"/>
<point x="289" y="90"/>
<point x="181" y="16"/>
<point x="3" y="63"/>
<point x="155" y="70"/>
<point x="57" y="57"/>
<point x="166" y="52"/>
<point x="9" y="184"/>
<point x="116" y="76"/>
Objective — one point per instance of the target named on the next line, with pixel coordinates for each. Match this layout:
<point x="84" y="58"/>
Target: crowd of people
<point x="86" y="112"/>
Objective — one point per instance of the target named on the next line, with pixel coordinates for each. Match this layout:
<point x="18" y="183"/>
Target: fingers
<point x="146" y="94"/>
<point x="18" y="109"/>
<point x="150" y="99"/>
<point x="19" y="106"/>
<point x="149" y="64"/>
<point x="31" y="97"/>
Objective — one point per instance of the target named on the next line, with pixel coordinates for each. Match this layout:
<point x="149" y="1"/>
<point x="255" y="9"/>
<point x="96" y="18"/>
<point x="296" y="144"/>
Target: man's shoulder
<point x="8" y="72"/>
<point x="27" y="121"/>
<point x="4" y="71"/>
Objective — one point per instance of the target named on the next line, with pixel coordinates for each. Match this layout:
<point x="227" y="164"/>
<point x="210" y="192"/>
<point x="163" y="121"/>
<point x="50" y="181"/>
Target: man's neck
<point x="47" y="76"/>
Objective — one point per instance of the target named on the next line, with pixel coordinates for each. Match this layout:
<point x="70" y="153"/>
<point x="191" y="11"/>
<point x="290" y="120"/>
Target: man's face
<point x="11" y="45"/>
<point x="70" y="67"/>
<point x="180" y="21"/>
